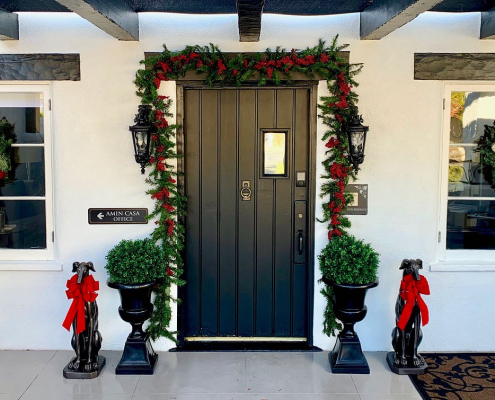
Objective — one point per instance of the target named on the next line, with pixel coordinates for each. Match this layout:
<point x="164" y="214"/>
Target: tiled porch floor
<point x="37" y="375"/>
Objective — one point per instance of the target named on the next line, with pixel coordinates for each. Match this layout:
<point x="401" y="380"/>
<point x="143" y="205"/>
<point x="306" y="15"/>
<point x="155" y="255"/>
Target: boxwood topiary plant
<point x="135" y="261"/>
<point x="345" y="260"/>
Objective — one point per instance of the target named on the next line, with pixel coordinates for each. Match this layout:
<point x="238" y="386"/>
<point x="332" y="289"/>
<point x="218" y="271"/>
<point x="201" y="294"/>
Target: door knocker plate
<point x="246" y="191"/>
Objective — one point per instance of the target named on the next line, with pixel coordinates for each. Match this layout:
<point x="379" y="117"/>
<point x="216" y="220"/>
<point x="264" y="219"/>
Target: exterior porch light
<point x="141" y="135"/>
<point x="356" y="133"/>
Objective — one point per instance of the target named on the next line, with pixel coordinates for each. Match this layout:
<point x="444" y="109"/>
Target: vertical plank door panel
<point x="209" y="212"/>
<point x="246" y="301"/>
<point x="265" y="194"/>
<point x="283" y="222"/>
<point x="193" y="222"/>
<point x="228" y="196"/>
<point x="301" y="163"/>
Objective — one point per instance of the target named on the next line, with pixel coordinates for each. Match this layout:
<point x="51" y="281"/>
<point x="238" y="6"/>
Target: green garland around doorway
<point x="267" y="68"/>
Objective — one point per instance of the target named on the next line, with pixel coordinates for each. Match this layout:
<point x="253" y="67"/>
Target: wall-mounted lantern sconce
<point x="141" y="136"/>
<point x="356" y="133"/>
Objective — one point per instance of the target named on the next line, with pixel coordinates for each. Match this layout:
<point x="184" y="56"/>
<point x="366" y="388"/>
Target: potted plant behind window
<point x="135" y="268"/>
<point x="349" y="268"/>
<point x="9" y="160"/>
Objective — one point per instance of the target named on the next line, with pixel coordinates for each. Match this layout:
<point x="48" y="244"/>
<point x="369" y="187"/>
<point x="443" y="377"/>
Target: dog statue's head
<point x="82" y="269"/>
<point x="411" y="267"/>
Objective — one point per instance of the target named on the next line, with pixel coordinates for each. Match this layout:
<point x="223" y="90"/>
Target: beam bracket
<point x="249" y="14"/>
<point x="385" y="16"/>
<point x="9" y="25"/>
<point x="114" y="17"/>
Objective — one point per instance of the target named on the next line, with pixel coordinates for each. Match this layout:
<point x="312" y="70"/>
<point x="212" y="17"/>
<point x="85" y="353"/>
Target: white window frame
<point x="457" y="260"/>
<point x="22" y="259"/>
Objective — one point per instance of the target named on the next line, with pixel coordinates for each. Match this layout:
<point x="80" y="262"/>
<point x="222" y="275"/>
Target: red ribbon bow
<point x="81" y="293"/>
<point x="411" y="291"/>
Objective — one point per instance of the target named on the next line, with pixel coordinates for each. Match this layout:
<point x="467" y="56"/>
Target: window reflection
<point x="471" y="198"/>
<point x="22" y="224"/>
<point x="274" y="153"/>
<point x="25" y="112"/>
<point x="471" y="225"/>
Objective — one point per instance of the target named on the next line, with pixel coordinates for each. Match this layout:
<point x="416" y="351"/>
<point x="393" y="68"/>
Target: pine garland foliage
<point x="219" y="69"/>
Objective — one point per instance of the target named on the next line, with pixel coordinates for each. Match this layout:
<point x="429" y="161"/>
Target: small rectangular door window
<point x="274" y="153"/>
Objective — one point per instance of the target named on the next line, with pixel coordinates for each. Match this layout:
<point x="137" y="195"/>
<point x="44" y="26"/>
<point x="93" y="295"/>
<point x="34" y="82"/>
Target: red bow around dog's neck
<point x="411" y="291"/>
<point x="80" y="292"/>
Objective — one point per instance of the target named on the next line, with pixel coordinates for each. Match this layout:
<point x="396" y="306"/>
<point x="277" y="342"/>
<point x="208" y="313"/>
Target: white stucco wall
<point x="94" y="167"/>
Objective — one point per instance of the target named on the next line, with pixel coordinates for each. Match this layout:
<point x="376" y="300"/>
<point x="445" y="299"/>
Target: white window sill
<point x="31" y="265"/>
<point x="462" y="266"/>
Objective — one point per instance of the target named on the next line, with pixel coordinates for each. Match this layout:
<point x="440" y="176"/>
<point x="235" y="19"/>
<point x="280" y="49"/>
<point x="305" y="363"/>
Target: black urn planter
<point x="348" y="303"/>
<point x="138" y="357"/>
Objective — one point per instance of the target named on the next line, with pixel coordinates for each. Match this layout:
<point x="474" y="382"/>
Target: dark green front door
<point x="246" y="165"/>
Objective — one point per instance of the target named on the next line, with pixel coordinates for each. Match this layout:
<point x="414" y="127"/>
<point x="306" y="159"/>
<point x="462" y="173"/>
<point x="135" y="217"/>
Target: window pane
<point x="471" y="225"/>
<point x="29" y="173"/>
<point x="469" y="113"/>
<point x="25" y="112"/>
<point x="274" y="153"/>
<point x="22" y="224"/>
<point x="466" y="177"/>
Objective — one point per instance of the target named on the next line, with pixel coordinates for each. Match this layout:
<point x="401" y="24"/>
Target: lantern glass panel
<point x="357" y="142"/>
<point x="141" y="142"/>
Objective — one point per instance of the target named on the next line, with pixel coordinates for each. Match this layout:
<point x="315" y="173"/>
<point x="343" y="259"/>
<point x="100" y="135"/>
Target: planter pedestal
<point x="347" y="357"/>
<point x="138" y="357"/>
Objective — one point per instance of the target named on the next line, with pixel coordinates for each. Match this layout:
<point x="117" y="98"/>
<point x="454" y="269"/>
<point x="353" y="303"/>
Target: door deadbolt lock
<point x="246" y="191"/>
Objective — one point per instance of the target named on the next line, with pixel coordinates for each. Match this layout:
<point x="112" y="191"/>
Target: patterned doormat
<point x="457" y="376"/>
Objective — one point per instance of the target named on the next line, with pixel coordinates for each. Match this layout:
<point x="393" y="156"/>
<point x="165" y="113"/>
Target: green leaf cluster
<point x="345" y="260"/>
<point x="331" y="324"/>
<point x="135" y="261"/>
<point x="487" y="154"/>
<point x="7" y="156"/>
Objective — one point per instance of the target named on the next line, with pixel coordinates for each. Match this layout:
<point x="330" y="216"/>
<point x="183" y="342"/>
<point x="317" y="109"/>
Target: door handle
<point x="300" y="242"/>
<point x="299" y="233"/>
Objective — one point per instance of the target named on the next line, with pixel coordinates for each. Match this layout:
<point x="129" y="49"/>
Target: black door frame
<point x="191" y="81"/>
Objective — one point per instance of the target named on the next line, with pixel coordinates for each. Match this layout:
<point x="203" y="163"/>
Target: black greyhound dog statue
<point x="86" y="339"/>
<point x="410" y="313"/>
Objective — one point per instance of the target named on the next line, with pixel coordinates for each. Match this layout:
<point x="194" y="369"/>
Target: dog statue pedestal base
<point x="70" y="373"/>
<point x="138" y="358"/>
<point x="347" y="357"/>
<point x="420" y="370"/>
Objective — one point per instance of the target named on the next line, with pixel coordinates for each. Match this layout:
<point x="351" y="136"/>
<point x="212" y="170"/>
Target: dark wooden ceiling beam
<point x="115" y="17"/>
<point x="9" y="25"/>
<point x="249" y="16"/>
<point x="487" y="30"/>
<point x="385" y="16"/>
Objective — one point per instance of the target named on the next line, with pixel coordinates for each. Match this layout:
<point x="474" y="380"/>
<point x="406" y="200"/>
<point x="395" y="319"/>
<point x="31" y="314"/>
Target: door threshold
<point x="245" y="346"/>
<point x="244" y="339"/>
